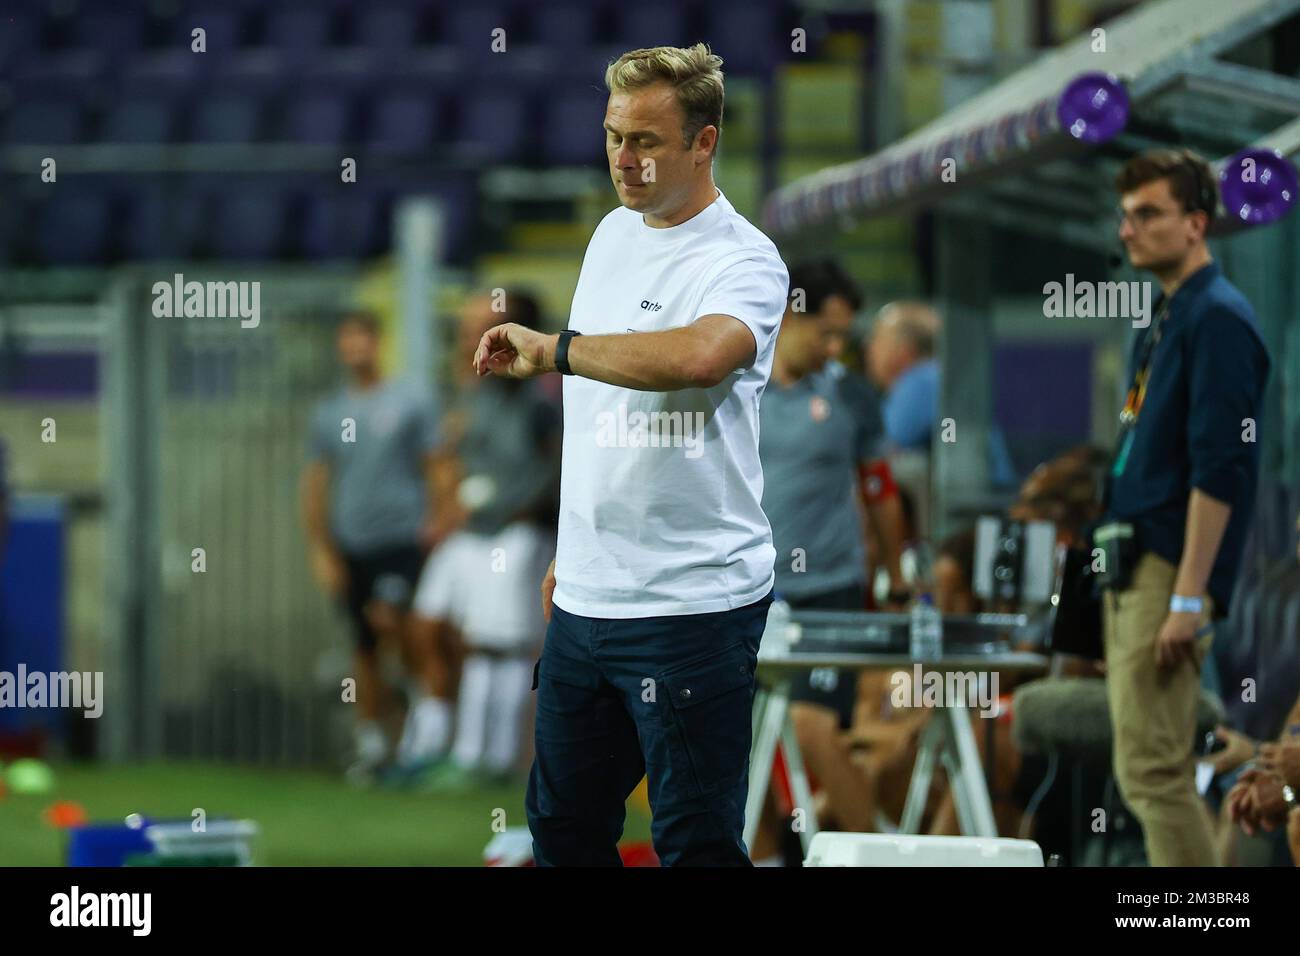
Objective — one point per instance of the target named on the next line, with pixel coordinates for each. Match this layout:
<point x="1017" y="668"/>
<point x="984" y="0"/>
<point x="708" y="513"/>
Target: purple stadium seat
<point x="403" y="120"/>
<point x="164" y="223"/>
<point x="248" y="224"/>
<point x="469" y="29"/>
<point x="640" y="25"/>
<point x="572" y="131"/>
<point x="114" y="32"/>
<point x="343" y="225"/>
<point x="20" y="34"/>
<point x="749" y="35"/>
<point x="142" y="119"/>
<point x="494" y="123"/>
<point x="386" y="28"/>
<point x="564" y="27"/>
<point x="223" y="25"/>
<point x="299" y="29"/>
<point x="225" y="118"/>
<point x="320" y="117"/>
<point x="72" y="228"/>
<point x="43" y="120"/>
<point x="172" y="69"/>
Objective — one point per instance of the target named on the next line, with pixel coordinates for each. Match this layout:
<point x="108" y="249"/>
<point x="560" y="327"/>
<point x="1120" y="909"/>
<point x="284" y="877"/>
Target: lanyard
<point x="1137" y="392"/>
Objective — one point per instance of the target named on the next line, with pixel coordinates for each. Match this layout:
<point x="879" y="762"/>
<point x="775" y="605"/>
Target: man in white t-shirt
<point x="663" y="574"/>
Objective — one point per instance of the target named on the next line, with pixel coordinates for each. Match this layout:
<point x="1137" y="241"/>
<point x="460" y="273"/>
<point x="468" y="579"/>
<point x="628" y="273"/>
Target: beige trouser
<point x="1153" y="714"/>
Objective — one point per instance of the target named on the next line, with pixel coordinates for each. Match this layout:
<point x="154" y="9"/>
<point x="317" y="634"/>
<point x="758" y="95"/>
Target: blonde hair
<point x="695" y="74"/>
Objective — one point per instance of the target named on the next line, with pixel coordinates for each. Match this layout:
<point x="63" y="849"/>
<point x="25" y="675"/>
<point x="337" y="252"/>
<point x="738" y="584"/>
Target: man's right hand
<point x="548" y="589"/>
<point x="1239" y="749"/>
<point x="329" y="570"/>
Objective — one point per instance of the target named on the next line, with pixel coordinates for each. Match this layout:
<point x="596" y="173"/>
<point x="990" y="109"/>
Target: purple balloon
<point x="1258" y="186"/>
<point x="1093" y="107"/>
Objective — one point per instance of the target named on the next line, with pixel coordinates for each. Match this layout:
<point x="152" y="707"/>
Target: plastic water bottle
<point x="779" y="634"/>
<point x="926" y="630"/>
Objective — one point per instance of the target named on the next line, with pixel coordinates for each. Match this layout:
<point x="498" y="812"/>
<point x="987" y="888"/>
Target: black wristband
<point x="562" y="352"/>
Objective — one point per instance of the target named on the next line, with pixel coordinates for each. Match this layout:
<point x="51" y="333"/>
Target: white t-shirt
<point x="660" y="491"/>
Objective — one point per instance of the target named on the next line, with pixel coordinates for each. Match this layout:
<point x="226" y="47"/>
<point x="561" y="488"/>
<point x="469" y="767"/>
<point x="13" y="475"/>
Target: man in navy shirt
<point x="1184" y="478"/>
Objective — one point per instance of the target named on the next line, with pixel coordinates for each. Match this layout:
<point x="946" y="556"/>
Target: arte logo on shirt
<point x="624" y="429"/>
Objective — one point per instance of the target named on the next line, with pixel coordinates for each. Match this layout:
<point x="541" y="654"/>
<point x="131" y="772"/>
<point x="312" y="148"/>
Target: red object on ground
<point x="64" y="814"/>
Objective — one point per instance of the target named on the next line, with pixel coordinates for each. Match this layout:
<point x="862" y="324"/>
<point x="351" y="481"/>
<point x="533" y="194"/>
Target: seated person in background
<point x="953" y="575"/>
<point x="1257" y="799"/>
<point x="482" y="583"/>
<point x="887" y="737"/>
<point x="1063" y="491"/>
<point x="1265" y="796"/>
<point x="820" y="425"/>
<point x="1066" y="491"/>
<point x="901" y="357"/>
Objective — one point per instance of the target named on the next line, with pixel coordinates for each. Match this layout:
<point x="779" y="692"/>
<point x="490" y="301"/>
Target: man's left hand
<point x="1176" y="641"/>
<point x="512" y="351"/>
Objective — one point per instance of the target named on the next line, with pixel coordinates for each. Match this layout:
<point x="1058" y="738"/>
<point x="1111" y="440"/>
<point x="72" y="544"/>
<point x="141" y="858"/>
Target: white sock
<point x="512" y="680"/>
<point x="472" y="711"/>
<point x="427" y="732"/>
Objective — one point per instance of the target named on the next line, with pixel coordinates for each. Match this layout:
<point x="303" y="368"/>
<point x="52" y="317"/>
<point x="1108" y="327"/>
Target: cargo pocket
<point x="710" y="701"/>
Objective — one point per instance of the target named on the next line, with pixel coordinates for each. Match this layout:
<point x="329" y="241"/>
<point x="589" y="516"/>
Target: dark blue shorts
<point x="836" y="689"/>
<point x="669" y="698"/>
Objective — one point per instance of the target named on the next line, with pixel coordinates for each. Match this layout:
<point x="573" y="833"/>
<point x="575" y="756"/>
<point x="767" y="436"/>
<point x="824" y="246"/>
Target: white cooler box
<point x="889" y="849"/>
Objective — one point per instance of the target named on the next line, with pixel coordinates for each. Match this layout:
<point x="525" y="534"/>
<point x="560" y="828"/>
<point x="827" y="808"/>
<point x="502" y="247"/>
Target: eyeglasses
<point x="1144" y="215"/>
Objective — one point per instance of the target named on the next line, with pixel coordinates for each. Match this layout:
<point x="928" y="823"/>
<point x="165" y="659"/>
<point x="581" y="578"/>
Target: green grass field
<point x="305" y="818"/>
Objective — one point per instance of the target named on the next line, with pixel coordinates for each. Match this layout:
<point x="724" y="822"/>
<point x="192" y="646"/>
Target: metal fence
<point x="225" y="648"/>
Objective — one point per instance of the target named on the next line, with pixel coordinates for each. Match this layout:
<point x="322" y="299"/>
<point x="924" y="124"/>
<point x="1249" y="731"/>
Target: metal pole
<point x="418" y="230"/>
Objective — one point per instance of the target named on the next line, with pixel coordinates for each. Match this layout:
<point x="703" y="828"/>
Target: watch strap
<point x="562" y="352"/>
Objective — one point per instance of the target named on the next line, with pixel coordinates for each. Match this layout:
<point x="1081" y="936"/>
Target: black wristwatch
<point x="562" y="352"/>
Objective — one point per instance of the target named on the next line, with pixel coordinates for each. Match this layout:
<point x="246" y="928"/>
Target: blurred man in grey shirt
<point x="368" y="506"/>
<point x="820" y="440"/>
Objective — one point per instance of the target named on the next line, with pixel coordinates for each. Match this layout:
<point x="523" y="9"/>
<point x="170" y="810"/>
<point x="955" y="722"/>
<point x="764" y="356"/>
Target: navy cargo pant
<point x="669" y="698"/>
